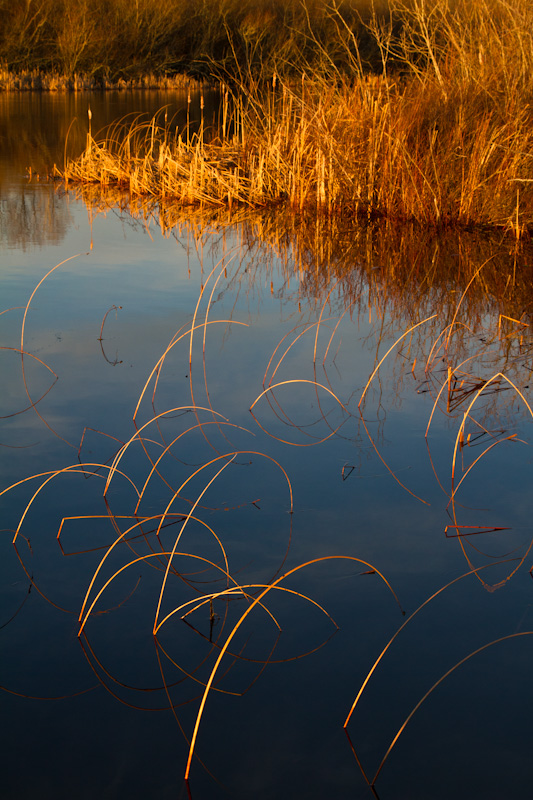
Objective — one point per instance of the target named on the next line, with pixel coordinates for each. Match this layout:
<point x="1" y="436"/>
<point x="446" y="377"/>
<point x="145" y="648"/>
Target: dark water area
<point x="385" y="461"/>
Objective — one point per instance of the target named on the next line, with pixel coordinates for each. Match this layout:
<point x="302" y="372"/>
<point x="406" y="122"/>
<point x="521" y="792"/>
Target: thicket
<point x="114" y="39"/>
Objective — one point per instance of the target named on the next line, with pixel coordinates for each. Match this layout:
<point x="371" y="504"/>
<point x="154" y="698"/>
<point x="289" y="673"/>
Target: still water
<point x="245" y="363"/>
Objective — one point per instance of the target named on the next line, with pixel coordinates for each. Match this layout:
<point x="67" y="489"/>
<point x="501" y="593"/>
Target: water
<point x="90" y="717"/>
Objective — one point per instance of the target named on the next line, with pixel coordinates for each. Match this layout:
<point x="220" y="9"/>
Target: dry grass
<point x="443" y="136"/>
<point x="112" y="39"/>
<point x="36" y="80"/>
<point x="139" y="537"/>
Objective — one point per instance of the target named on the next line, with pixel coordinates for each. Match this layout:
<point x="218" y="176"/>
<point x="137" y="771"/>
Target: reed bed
<point x="38" y="81"/>
<point x="443" y="136"/>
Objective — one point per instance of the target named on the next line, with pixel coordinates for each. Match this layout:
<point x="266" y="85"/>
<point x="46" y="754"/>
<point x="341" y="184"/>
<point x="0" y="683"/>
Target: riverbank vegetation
<point x="410" y="110"/>
<point x="111" y="40"/>
<point x="34" y="80"/>
<point x="442" y="136"/>
<point x="103" y="42"/>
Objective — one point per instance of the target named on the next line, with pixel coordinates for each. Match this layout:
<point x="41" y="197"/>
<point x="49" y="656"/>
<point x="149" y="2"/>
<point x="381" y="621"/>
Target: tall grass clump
<point x="442" y="135"/>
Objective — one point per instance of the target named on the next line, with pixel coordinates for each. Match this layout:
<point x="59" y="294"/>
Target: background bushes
<point x="124" y="38"/>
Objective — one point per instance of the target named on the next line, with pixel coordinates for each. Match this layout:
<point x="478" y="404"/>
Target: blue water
<point x="90" y="717"/>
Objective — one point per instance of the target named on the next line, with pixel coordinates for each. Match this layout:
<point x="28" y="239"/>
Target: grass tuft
<point x="439" y="131"/>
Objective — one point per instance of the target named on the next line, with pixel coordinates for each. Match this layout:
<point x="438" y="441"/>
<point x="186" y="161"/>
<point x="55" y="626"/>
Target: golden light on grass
<point x="430" y="133"/>
<point x="236" y="627"/>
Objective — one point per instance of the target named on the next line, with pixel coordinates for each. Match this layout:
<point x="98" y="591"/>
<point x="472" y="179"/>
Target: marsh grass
<point x="28" y="80"/>
<point x="442" y="136"/>
<point x="116" y="39"/>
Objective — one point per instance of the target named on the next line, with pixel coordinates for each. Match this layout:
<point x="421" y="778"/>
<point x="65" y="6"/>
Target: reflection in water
<point x="468" y="286"/>
<point x="32" y="215"/>
<point x="35" y="126"/>
<point x="38" y="130"/>
<point x="207" y="554"/>
<point x="394" y="262"/>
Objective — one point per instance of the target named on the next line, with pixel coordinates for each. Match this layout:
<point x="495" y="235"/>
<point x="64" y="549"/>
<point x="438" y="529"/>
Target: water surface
<point x="309" y="309"/>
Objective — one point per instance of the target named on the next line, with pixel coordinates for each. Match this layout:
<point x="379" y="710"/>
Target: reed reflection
<point x="190" y="563"/>
<point x="39" y="130"/>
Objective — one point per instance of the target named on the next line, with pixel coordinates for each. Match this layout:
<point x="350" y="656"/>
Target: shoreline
<point x="37" y="81"/>
<point x="365" y="149"/>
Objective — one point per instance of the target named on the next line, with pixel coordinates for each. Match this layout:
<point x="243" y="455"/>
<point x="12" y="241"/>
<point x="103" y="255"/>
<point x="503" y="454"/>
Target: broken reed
<point x="443" y="136"/>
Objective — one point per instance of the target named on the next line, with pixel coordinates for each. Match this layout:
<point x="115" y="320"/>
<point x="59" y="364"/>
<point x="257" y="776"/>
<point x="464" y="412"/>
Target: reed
<point x="443" y="136"/>
<point x="185" y="498"/>
<point x="27" y="80"/>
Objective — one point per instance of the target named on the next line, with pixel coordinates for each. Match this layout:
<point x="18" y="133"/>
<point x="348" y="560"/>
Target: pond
<point x="277" y="441"/>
